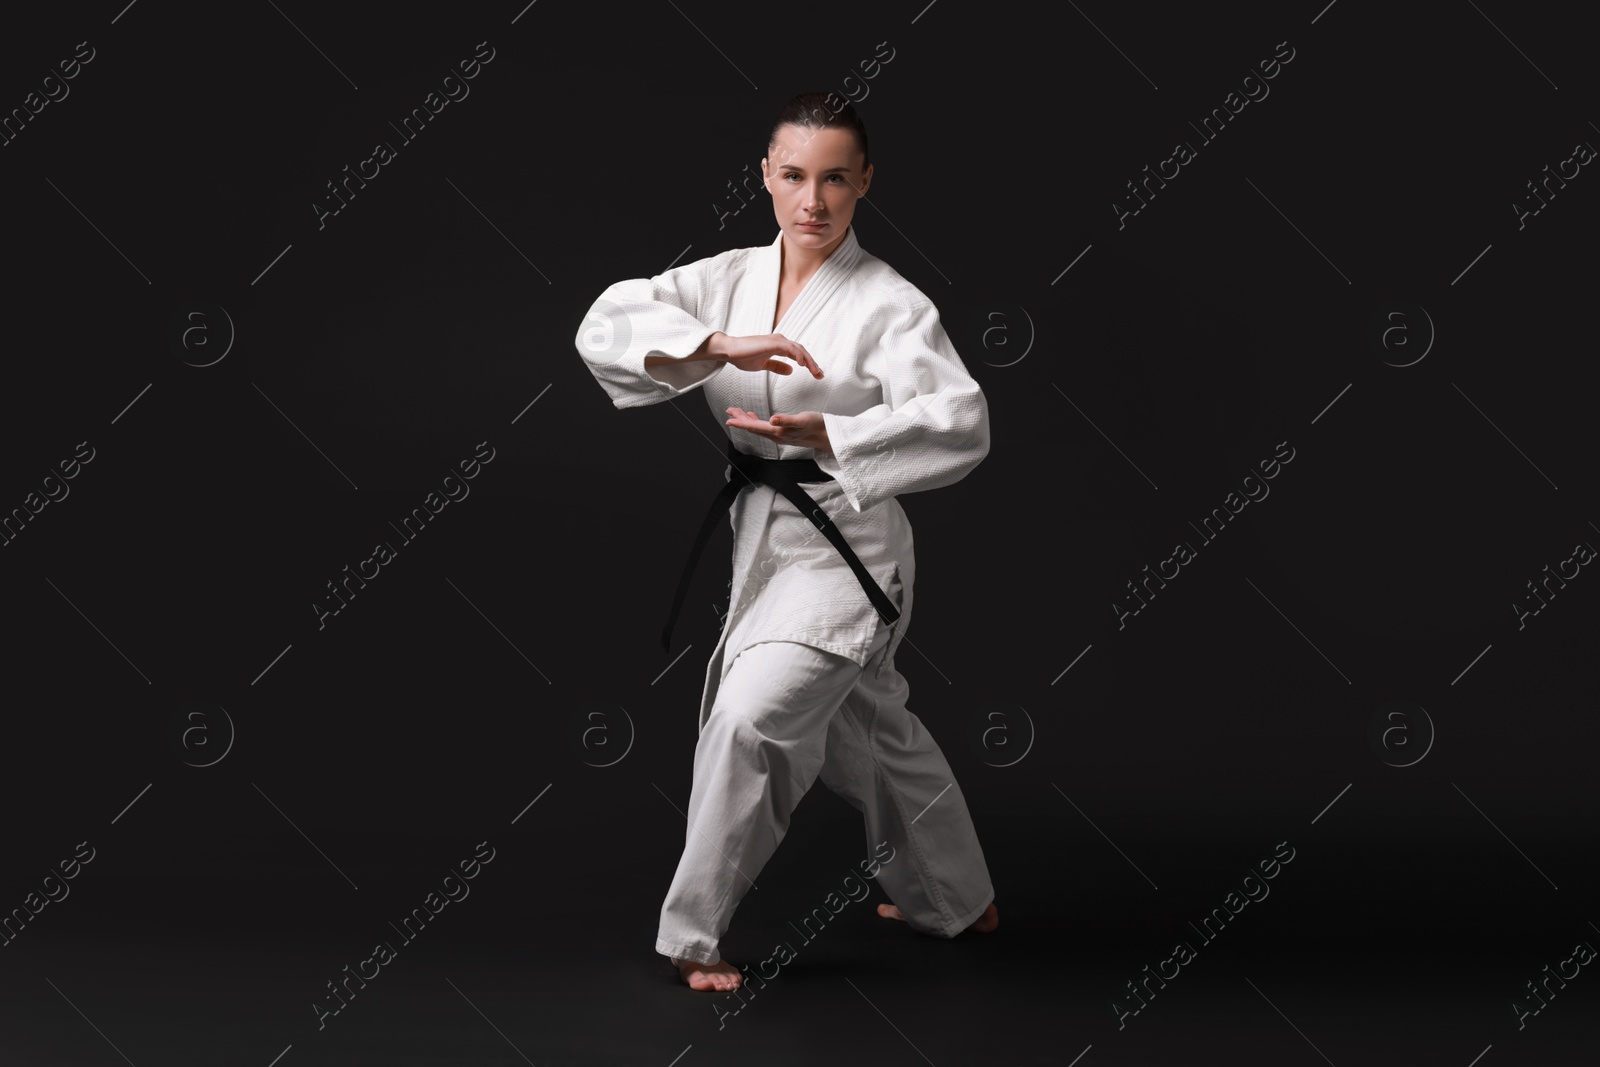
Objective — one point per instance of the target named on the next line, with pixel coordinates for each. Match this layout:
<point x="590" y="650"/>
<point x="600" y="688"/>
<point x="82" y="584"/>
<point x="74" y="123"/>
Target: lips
<point x="812" y="225"/>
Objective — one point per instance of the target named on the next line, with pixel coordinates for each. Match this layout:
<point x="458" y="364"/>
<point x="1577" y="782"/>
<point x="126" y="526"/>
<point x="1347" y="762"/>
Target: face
<point x="815" y="177"/>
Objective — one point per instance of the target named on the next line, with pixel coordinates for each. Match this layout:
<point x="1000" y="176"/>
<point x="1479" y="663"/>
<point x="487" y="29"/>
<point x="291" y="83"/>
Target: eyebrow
<point x="830" y="170"/>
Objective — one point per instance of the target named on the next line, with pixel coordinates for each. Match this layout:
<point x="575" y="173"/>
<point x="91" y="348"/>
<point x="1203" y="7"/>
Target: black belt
<point x="784" y="475"/>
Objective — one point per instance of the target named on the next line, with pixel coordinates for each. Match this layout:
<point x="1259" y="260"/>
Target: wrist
<point x="711" y="349"/>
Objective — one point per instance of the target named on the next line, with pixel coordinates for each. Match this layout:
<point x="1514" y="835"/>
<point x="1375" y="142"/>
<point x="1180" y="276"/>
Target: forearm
<point x="709" y="351"/>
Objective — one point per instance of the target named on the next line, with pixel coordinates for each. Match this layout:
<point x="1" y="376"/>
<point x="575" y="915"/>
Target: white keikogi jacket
<point x="902" y="413"/>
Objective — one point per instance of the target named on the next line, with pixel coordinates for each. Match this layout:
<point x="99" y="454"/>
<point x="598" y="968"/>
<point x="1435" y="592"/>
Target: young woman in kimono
<point x="802" y="683"/>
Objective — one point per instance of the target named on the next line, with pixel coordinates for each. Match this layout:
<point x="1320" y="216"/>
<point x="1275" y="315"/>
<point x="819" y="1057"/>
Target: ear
<point x="766" y="175"/>
<point x="866" y="180"/>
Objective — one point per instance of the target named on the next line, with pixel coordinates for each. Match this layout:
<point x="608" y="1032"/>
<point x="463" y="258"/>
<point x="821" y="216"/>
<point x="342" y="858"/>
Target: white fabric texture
<point x="902" y="414"/>
<point x="802" y="682"/>
<point x="786" y="715"/>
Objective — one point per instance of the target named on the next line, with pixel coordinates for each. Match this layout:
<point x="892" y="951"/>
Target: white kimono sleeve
<point x="931" y="429"/>
<point x="647" y="317"/>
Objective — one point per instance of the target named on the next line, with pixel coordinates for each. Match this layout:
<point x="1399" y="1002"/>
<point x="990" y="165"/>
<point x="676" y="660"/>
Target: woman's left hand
<point x="805" y="429"/>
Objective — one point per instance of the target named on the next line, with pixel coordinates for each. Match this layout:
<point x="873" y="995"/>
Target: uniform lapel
<point x="834" y="270"/>
<point x="754" y="317"/>
<point x="813" y="295"/>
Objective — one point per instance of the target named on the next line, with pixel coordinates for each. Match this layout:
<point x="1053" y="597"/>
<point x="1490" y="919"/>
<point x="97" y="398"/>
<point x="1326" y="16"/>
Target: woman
<point x="802" y="683"/>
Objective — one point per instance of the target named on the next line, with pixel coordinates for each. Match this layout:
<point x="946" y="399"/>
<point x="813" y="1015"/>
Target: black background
<point x="1128" y="396"/>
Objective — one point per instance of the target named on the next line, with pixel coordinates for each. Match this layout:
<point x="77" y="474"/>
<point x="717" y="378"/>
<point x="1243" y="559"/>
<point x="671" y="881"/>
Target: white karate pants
<point x="785" y="715"/>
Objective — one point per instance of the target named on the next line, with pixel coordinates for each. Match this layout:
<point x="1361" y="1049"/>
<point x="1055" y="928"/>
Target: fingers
<point x="802" y="357"/>
<point x="797" y="352"/>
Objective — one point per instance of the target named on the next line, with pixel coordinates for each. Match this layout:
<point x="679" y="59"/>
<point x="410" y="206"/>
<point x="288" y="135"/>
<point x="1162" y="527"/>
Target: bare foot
<point x="708" y="977"/>
<point x="983" y="924"/>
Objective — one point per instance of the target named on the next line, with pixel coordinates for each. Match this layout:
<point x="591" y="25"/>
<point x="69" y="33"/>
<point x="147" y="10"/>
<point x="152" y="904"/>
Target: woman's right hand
<point x="756" y="353"/>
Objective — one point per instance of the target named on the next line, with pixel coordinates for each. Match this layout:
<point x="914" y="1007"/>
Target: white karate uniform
<point x="902" y="415"/>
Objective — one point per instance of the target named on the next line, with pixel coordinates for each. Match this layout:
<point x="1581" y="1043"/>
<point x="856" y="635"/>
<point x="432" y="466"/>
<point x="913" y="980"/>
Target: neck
<point x="803" y="262"/>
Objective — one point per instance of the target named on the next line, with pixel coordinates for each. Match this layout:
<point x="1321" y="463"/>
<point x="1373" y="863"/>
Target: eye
<point x="840" y="178"/>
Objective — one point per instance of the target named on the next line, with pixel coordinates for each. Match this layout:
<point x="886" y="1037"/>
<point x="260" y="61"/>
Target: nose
<point x="814" y="200"/>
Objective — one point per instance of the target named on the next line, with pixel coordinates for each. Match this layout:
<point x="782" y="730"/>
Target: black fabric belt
<point x="784" y="475"/>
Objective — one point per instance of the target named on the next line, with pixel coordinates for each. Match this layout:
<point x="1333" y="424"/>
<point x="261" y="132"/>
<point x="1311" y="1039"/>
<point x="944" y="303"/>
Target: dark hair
<point x="816" y="111"/>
